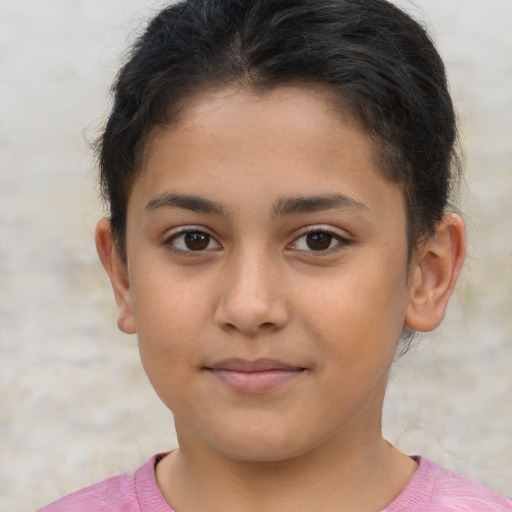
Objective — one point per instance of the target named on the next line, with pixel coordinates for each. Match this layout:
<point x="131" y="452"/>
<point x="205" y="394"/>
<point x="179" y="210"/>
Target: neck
<point x="339" y="476"/>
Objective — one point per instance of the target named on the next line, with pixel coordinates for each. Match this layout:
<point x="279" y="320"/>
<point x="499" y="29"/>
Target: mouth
<point x="259" y="376"/>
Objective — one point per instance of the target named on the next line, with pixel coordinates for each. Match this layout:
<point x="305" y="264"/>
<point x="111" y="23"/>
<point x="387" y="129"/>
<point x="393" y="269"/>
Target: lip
<point x="258" y="376"/>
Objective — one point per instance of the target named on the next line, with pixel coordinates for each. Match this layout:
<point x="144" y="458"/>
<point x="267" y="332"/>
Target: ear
<point x="434" y="272"/>
<point x="118" y="273"/>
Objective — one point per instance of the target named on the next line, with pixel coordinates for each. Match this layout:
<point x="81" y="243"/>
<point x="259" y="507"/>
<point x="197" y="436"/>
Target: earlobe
<point x="434" y="274"/>
<point x="118" y="274"/>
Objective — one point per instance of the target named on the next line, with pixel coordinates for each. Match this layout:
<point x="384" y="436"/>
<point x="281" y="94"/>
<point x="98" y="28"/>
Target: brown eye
<point x="196" y="241"/>
<point x="319" y="241"/>
<point x="190" y="241"/>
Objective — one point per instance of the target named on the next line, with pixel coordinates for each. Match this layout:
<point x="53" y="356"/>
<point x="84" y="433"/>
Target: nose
<point x="252" y="297"/>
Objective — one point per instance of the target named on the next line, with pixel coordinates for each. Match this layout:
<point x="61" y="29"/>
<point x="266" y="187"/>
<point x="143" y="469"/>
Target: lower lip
<point x="256" y="382"/>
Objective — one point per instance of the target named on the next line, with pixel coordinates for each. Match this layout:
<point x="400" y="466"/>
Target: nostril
<point x="250" y="313"/>
<point x="229" y="327"/>
<point x="265" y="326"/>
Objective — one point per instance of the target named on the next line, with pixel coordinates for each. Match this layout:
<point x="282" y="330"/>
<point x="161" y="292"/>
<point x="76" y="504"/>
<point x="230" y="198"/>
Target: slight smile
<point x="257" y="376"/>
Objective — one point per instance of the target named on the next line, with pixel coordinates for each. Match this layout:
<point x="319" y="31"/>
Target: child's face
<point x="267" y="274"/>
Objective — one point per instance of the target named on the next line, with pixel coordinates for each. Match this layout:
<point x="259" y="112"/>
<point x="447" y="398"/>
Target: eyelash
<point x="170" y="242"/>
<point x="340" y="242"/>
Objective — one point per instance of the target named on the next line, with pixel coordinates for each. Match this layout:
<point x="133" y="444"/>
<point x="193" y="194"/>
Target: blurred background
<point x="75" y="406"/>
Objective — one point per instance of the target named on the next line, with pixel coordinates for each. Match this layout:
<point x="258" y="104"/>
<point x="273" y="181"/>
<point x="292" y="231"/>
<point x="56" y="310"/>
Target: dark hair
<point x="380" y="64"/>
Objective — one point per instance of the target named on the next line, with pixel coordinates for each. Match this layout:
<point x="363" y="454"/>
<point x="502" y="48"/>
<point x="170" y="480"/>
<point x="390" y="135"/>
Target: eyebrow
<point x="282" y="207"/>
<point x="308" y="204"/>
<point x="186" y="202"/>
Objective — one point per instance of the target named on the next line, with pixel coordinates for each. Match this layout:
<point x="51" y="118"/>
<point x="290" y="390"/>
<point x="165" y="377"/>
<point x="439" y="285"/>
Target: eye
<point x="319" y="240"/>
<point x="192" y="240"/>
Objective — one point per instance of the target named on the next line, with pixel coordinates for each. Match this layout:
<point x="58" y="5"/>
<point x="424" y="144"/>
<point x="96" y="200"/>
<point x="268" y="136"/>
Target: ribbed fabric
<point x="431" y="489"/>
<point x="136" y="491"/>
<point x="434" y="489"/>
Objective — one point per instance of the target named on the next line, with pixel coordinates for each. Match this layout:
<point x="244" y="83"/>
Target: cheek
<point x="358" y="311"/>
<point x="169" y="319"/>
<point x="166" y="340"/>
<point x="166" y="300"/>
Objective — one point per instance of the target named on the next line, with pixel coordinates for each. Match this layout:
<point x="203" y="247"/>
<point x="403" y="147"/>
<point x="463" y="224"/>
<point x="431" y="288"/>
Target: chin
<point x="260" y="447"/>
<point x="259" y="454"/>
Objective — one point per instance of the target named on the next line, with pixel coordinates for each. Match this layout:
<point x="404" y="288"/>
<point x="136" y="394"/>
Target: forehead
<point x="297" y="108"/>
<point x="228" y="142"/>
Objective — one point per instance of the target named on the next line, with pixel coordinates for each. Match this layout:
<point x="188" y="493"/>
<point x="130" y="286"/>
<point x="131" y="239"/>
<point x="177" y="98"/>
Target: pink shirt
<point x="431" y="489"/>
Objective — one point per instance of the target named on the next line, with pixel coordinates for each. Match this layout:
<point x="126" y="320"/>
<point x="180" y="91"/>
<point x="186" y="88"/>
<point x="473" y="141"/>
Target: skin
<point x="300" y="257"/>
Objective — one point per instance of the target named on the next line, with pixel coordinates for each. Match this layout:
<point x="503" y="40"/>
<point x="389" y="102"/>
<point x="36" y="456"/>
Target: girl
<point x="278" y="175"/>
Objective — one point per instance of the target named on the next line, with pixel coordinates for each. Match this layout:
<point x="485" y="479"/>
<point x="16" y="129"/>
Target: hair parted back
<point x="377" y="61"/>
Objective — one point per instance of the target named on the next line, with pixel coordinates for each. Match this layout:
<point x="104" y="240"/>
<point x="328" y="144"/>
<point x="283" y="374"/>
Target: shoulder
<point x="115" y="493"/>
<point x="99" y="497"/>
<point x="124" y="492"/>
<point x="457" y="492"/>
<point x="434" y="489"/>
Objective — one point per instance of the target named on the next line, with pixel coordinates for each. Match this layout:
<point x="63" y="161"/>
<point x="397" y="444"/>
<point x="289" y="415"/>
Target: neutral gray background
<point x="75" y="406"/>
